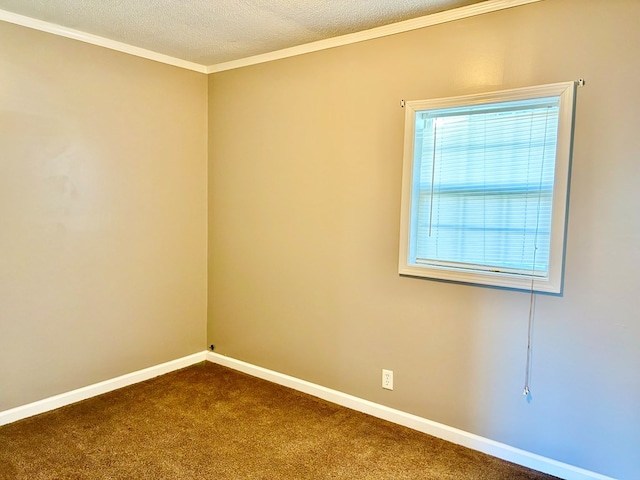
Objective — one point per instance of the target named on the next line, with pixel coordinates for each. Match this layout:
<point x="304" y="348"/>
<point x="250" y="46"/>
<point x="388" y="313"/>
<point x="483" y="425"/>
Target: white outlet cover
<point x="387" y="379"/>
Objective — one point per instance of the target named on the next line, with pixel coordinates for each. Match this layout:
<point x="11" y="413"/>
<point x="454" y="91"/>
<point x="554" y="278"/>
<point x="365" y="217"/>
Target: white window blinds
<point x="484" y="187"/>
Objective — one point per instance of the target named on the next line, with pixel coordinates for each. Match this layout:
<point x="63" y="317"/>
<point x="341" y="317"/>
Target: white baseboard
<point x="453" y="435"/>
<point x="57" y="401"/>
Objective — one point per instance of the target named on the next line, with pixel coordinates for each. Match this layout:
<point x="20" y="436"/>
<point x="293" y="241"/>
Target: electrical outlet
<point x="387" y="379"/>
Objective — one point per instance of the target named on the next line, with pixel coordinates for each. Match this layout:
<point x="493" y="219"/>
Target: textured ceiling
<point x="209" y="32"/>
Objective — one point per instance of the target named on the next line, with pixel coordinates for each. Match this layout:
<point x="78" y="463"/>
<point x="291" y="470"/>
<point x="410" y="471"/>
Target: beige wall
<point x="102" y="214"/>
<point x="304" y="198"/>
<point x="104" y="223"/>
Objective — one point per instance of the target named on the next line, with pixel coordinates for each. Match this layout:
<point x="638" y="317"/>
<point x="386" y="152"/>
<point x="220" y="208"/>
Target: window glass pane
<point x="484" y="178"/>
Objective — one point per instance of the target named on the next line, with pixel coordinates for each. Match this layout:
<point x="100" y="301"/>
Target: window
<point x="485" y="187"/>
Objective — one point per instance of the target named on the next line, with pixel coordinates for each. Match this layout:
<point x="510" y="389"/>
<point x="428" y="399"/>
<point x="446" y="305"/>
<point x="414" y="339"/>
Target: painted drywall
<point x="305" y="159"/>
<point x="103" y="214"/>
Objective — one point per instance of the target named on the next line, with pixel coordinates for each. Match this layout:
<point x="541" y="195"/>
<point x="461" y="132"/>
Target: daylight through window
<point x="485" y="187"/>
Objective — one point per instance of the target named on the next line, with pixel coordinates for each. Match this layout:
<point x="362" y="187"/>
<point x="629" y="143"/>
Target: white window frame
<point x="553" y="282"/>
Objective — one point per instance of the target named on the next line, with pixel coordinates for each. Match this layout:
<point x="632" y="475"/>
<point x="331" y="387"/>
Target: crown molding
<point x="378" y="32"/>
<point x="61" y="31"/>
<point x="487" y="6"/>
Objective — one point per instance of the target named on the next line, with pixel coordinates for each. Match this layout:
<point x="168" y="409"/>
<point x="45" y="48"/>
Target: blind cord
<point x="527" y="373"/>
<point x="433" y="173"/>
<point x="532" y="303"/>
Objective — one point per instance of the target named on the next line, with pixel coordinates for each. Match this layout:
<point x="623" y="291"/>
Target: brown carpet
<point x="210" y="422"/>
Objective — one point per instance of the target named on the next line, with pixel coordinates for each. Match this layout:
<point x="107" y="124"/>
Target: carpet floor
<point x="210" y="422"/>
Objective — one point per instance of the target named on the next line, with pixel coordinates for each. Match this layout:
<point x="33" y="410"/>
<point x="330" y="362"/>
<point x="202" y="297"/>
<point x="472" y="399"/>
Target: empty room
<point x="319" y="239"/>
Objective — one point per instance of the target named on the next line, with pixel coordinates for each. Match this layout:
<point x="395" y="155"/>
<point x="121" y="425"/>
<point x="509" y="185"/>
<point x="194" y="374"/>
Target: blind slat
<point x="485" y="176"/>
